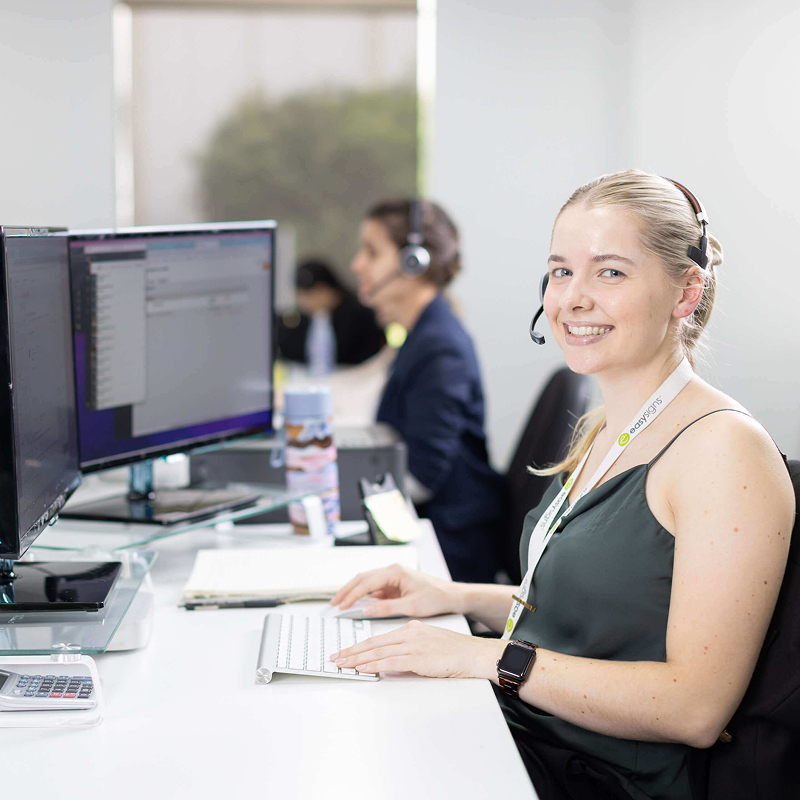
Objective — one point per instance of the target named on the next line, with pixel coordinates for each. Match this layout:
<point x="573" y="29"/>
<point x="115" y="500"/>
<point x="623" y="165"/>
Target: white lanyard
<point x="542" y="533"/>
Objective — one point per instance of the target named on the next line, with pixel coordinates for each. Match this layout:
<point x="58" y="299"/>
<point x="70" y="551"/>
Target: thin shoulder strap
<point x="682" y="430"/>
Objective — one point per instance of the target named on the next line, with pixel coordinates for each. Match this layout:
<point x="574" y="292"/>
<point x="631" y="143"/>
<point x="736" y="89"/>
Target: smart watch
<point x="514" y="666"/>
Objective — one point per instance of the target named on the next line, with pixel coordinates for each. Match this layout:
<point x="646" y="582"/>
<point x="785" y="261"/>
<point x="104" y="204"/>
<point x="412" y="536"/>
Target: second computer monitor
<point x="172" y="334"/>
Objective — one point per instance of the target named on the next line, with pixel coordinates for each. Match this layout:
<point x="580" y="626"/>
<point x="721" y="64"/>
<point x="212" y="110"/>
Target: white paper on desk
<point x="287" y="572"/>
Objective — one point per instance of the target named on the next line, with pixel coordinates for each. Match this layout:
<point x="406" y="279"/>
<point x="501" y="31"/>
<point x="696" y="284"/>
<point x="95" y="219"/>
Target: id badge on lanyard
<point x="550" y="519"/>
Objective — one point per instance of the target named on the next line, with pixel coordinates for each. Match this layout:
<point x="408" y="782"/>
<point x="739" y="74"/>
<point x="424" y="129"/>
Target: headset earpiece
<point x="414" y="258"/>
<point x="697" y="254"/>
<point x="538" y="338"/>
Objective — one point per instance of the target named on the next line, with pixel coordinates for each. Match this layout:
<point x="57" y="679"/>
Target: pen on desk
<point x="265" y="603"/>
<point x="252" y="602"/>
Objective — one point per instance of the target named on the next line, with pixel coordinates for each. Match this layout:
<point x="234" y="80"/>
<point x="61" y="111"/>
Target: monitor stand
<point x="144" y="504"/>
<point x="7" y="578"/>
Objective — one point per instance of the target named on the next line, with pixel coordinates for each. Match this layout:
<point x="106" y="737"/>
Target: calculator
<point x="35" y="691"/>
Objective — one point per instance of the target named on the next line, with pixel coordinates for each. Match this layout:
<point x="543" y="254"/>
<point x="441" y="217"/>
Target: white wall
<point x="533" y="99"/>
<point x="56" y="134"/>
<point x="529" y="104"/>
<point x="717" y="107"/>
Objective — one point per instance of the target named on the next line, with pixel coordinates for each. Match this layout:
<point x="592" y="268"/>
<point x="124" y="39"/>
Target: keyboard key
<point x="297" y="648"/>
<point x="283" y="647"/>
<point x="347" y="636"/>
<point x="314" y="647"/>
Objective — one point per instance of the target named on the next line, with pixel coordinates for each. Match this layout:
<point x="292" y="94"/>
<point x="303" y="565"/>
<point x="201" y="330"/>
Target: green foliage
<point x="316" y="160"/>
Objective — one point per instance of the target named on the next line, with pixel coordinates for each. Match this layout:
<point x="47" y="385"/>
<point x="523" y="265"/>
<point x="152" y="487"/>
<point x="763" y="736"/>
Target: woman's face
<point x="377" y="267"/>
<point x="609" y="302"/>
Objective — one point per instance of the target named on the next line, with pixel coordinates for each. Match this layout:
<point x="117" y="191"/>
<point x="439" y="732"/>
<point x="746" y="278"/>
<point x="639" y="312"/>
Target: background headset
<point x="414" y="258"/>
<point x="696" y="254"/>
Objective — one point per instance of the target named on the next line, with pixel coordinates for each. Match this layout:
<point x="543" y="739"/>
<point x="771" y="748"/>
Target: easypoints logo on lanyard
<point x="548" y="522"/>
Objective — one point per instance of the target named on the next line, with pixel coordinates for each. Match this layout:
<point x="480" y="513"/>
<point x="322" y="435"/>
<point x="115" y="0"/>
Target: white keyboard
<point x="301" y="645"/>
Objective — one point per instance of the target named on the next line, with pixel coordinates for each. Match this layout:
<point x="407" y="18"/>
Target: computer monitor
<point x="172" y="335"/>
<point x="38" y="426"/>
<point x="38" y="433"/>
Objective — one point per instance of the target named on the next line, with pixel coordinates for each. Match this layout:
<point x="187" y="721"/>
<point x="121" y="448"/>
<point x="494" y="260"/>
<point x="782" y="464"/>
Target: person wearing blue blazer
<point x="408" y="252"/>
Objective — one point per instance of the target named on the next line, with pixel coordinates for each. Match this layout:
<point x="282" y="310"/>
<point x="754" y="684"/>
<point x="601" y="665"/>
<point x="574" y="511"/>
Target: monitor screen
<point x="172" y="336"/>
<point x="38" y="435"/>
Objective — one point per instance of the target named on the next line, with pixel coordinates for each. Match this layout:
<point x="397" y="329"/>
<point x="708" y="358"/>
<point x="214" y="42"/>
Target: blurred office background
<point x="519" y="101"/>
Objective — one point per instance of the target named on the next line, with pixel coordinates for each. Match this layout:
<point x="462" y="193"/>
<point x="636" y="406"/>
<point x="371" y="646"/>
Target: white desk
<point x="184" y="718"/>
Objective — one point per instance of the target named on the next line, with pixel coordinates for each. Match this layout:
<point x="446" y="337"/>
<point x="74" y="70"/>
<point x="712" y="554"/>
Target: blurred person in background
<point x="330" y="326"/>
<point x="434" y="395"/>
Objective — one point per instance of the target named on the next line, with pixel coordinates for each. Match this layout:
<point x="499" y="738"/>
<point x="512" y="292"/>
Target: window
<point x="303" y="116"/>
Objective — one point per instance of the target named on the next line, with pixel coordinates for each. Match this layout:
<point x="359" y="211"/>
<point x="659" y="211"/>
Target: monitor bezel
<point x="9" y="496"/>
<point x="209" y="441"/>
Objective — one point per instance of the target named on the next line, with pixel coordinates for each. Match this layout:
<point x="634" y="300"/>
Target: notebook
<point x="287" y="572"/>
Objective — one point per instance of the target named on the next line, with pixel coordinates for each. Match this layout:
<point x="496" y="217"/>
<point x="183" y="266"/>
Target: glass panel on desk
<point x="75" y="534"/>
<point x="87" y="632"/>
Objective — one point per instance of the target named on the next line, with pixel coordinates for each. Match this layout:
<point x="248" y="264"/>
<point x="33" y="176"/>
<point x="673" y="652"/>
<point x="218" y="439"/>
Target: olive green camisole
<point x="602" y="590"/>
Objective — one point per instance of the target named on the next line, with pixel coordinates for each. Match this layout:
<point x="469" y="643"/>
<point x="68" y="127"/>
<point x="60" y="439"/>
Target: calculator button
<point x="30" y="694"/>
<point x="42" y="694"/>
<point x="56" y="694"/>
<point x="68" y="694"/>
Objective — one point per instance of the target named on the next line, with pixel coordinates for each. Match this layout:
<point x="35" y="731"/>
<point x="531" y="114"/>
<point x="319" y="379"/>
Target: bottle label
<point x="311" y="467"/>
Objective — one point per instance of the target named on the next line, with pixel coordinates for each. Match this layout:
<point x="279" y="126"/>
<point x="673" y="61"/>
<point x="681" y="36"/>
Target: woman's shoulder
<point x="721" y="441"/>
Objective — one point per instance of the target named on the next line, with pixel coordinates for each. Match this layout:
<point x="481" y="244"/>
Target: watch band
<point x="509" y="684"/>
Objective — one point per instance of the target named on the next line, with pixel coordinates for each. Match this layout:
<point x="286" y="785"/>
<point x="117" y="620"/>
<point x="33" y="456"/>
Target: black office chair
<point x="758" y="757"/>
<point x="544" y="441"/>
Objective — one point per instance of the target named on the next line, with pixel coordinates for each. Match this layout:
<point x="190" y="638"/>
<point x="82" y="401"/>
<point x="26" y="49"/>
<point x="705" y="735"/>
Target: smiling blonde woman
<point x="654" y="560"/>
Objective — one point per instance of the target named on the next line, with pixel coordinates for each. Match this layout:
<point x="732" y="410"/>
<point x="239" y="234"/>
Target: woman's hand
<point x="397" y="591"/>
<point x="425" y="650"/>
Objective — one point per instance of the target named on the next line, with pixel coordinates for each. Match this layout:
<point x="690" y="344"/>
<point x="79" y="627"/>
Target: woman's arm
<point x="731" y="506"/>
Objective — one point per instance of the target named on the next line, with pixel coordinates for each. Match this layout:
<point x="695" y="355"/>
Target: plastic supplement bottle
<point x="311" y="453"/>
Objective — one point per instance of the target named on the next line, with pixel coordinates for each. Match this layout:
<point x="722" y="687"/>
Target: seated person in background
<point x="652" y="572"/>
<point x="433" y="397"/>
<point x="357" y="336"/>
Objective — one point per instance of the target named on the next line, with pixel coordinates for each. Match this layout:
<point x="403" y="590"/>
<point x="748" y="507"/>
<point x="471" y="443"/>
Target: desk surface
<point x="184" y="717"/>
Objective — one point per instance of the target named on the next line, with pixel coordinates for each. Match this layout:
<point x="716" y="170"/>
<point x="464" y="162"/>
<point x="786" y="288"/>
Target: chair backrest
<point x="545" y="440"/>
<point x="763" y="757"/>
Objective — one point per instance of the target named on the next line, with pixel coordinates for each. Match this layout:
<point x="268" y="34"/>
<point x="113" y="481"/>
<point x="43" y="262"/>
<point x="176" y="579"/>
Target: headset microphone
<point x="538" y="338"/>
<point x="385" y="282"/>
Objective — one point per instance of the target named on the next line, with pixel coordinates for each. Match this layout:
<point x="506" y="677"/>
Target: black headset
<point x="414" y="258"/>
<point x="696" y="254"/>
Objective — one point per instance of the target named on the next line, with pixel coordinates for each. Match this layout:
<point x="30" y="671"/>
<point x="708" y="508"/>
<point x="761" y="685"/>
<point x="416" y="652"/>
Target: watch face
<point x="516" y="659"/>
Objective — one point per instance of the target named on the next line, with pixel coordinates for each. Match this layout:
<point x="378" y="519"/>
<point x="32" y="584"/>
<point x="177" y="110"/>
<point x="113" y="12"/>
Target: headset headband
<point x="415" y="215"/>
<point x="697" y="254"/>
